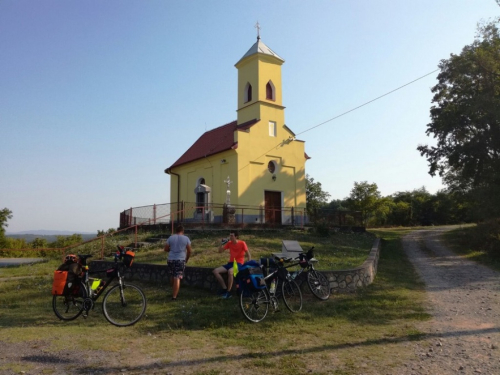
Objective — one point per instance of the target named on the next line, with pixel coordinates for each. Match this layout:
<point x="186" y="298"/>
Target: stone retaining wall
<point x="341" y="281"/>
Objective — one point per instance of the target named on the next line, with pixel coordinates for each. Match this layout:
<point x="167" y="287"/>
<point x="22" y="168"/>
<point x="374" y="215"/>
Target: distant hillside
<point x="45" y="232"/>
<point x="49" y="235"/>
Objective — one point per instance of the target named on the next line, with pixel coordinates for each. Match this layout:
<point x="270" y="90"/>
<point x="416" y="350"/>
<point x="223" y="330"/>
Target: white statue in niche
<point x="228" y="191"/>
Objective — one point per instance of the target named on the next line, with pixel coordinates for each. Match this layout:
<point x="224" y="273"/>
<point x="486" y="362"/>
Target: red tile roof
<point x="212" y="142"/>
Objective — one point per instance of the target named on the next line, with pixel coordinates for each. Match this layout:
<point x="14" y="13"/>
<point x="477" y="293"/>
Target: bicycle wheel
<point x="69" y="307"/>
<point x="319" y="285"/>
<point x="254" y="305"/>
<point x="292" y="296"/>
<point x="124" y="309"/>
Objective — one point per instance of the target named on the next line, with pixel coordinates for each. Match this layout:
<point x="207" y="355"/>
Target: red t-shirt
<point x="236" y="251"/>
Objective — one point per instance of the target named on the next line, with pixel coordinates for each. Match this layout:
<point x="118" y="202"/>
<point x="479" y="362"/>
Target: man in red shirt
<point x="237" y="250"/>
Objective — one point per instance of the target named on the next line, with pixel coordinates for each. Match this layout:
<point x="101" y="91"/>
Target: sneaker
<point x="221" y="292"/>
<point x="226" y="295"/>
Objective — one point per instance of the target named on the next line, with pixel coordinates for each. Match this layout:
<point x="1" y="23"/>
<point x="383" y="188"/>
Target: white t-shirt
<point x="178" y="243"/>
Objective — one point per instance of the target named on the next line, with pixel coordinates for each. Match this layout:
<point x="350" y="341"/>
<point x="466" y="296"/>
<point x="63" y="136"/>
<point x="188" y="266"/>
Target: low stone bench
<point x="341" y="281"/>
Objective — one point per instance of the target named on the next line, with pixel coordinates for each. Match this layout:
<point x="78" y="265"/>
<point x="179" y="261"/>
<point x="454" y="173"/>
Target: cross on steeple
<point x="257" y="26"/>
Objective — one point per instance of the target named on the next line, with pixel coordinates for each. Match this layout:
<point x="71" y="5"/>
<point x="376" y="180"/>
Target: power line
<point x="371" y="101"/>
<point x="345" y="113"/>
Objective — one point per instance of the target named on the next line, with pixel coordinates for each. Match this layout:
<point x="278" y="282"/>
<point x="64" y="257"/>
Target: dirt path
<point x="464" y="299"/>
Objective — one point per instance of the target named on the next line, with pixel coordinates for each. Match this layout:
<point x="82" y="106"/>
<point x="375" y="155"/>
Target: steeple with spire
<point x="259" y="82"/>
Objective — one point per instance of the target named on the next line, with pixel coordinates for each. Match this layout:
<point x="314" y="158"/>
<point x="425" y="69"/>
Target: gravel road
<point x="464" y="300"/>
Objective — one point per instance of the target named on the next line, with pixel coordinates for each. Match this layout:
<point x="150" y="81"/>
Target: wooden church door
<point x="272" y="201"/>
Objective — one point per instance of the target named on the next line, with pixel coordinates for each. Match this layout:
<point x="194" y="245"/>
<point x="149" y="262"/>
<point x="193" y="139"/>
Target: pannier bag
<point x="283" y="273"/>
<point x="65" y="284"/>
<point x="268" y="264"/>
<point x="66" y="279"/>
<point x="59" y="283"/>
<point x="250" y="277"/>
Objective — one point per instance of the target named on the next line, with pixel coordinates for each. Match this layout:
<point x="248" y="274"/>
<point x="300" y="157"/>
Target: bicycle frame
<point x="318" y="283"/>
<point x="273" y="277"/>
<point x="307" y="268"/>
<point x="89" y="294"/>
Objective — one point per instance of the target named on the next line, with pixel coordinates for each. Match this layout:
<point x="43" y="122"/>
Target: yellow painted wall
<point x="258" y="70"/>
<point x="254" y="177"/>
<point x="211" y="169"/>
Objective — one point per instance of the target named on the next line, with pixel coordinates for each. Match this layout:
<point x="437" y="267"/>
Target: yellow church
<point x="253" y="165"/>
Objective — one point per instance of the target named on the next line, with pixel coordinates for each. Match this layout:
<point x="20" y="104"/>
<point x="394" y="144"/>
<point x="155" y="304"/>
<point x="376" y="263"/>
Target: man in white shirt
<point x="179" y="248"/>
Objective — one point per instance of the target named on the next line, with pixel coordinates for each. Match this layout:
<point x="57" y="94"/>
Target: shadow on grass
<point x="272" y="354"/>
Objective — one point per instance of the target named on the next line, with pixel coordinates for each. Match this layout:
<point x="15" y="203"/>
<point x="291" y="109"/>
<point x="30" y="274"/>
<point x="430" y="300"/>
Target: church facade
<point x="255" y="162"/>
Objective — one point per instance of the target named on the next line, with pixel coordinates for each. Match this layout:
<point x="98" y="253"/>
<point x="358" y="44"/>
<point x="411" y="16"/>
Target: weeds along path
<point x="463" y="337"/>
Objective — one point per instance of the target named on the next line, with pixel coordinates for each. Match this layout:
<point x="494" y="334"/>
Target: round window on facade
<point x="271" y="166"/>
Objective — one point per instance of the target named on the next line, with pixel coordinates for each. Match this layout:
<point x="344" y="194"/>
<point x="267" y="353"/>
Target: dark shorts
<point x="230" y="265"/>
<point x="176" y="268"/>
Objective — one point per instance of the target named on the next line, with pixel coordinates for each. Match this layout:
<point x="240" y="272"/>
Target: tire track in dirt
<point x="463" y="337"/>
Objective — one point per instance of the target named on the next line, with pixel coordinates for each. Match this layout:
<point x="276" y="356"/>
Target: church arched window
<point x="248" y="92"/>
<point x="270" y="91"/>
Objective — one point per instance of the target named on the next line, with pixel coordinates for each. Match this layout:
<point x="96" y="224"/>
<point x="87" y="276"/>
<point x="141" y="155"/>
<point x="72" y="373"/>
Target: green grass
<point x="479" y="243"/>
<point x="338" y="251"/>
<point x="44" y="268"/>
<point x="363" y="332"/>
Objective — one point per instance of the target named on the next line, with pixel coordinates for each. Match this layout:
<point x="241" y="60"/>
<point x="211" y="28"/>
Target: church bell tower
<point x="259" y="84"/>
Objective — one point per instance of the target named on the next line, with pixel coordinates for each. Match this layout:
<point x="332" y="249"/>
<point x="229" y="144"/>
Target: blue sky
<point x="97" y="98"/>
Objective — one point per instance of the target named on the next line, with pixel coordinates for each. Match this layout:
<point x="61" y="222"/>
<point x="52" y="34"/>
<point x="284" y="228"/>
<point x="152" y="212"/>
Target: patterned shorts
<point x="176" y="268"/>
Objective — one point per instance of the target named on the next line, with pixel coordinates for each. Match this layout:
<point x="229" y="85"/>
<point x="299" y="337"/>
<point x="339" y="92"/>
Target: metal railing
<point x="213" y="214"/>
<point x="238" y="215"/>
<point x="166" y="215"/>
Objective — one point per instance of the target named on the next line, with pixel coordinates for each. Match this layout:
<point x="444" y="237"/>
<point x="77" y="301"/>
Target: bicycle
<point x="254" y="304"/>
<point x="123" y="305"/>
<point x="317" y="282"/>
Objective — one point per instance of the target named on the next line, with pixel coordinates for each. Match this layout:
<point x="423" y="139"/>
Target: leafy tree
<point x="382" y="212"/>
<point x="39" y="243"/>
<point x="366" y="198"/>
<point x="400" y="213"/>
<point x="63" y="241"/>
<point x="5" y="214"/>
<point x="315" y="196"/>
<point x="465" y="120"/>
<point x="338" y="205"/>
<point x="101" y="233"/>
<point x="16" y="243"/>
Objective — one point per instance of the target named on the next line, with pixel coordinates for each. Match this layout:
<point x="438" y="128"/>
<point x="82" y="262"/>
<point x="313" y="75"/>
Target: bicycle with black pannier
<point x="261" y="285"/>
<point x="124" y="304"/>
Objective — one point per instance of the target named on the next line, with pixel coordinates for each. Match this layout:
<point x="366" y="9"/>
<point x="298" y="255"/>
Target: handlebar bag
<point x="128" y="258"/>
